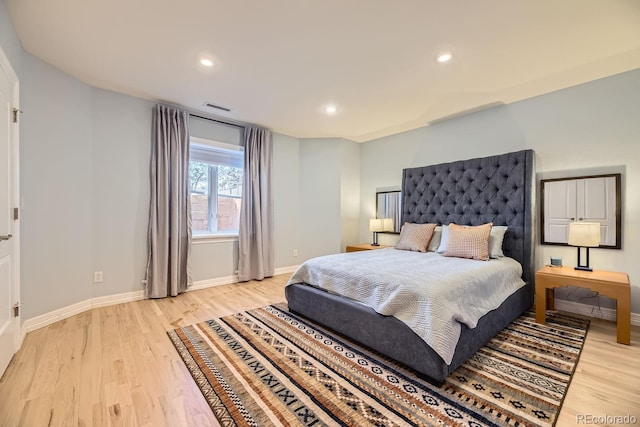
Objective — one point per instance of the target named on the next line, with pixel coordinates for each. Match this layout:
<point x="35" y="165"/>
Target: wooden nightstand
<point x="364" y="247"/>
<point x="608" y="283"/>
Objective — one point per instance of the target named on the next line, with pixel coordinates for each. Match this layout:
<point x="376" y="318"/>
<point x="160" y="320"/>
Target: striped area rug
<point x="269" y="367"/>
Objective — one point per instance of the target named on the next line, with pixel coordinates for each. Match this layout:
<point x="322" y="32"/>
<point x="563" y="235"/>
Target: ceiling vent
<point x="217" y="107"/>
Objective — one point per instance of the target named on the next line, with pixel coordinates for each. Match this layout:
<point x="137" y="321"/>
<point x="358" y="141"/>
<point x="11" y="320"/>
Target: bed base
<point x="392" y="338"/>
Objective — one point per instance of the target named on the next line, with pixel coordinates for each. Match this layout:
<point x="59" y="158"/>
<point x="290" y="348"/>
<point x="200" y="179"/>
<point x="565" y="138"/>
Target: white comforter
<point x="430" y="293"/>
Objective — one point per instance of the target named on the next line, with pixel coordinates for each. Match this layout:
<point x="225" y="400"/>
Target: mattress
<point x="432" y="294"/>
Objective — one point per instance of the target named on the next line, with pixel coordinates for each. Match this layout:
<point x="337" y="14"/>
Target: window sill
<point x="198" y="239"/>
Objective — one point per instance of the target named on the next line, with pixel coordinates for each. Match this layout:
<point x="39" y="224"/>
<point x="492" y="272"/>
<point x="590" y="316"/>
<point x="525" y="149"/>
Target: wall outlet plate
<point x="97" y="277"/>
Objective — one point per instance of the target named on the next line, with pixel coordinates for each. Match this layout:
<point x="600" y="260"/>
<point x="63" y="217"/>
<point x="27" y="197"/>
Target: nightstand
<point x="608" y="283"/>
<point x="364" y="247"/>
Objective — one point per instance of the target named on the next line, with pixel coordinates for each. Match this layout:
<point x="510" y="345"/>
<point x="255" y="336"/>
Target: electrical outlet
<point x="295" y="252"/>
<point x="97" y="277"/>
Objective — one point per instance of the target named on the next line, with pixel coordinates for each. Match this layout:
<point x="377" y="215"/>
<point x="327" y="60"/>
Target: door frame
<point x="16" y="199"/>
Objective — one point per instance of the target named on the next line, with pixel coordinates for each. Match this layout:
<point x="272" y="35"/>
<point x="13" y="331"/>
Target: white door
<point x="560" y="209"/>
<point x="9" y="248"/>
<point x="599" y="205"/>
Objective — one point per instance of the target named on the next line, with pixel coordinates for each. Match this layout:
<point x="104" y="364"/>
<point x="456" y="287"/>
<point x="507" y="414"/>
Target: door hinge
<point x="16" y="214"/>
<point x="15" y="115"/>
<point x="16" y="310"/>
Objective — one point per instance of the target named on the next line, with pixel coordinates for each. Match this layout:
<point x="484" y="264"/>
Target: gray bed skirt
<point x="392" y="338"/>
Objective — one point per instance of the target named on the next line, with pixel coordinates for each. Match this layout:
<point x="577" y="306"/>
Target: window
<point x="215" y="184"/>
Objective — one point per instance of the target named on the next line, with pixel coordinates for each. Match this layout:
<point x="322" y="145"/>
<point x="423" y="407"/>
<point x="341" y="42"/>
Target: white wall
<point x="588" y="127"/>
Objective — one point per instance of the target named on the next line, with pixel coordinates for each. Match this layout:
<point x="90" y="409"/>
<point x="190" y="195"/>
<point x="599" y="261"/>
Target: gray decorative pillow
<point x="415" y="237"/>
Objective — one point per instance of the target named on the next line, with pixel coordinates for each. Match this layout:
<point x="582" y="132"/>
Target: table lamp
<point x="377" y="225"/>
<point x="584" y="235"/>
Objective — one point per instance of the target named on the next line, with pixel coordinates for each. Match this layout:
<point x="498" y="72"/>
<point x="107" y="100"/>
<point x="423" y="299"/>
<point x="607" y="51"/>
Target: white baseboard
<point x="118" y="298"/>
<point x="77" y="308"/>
<point x="586" y="310"/>
<point x="104" y="301"/>
<point x="285" y="270"/>
<point x="219" y="281"/>
<point x="209" y="283"/>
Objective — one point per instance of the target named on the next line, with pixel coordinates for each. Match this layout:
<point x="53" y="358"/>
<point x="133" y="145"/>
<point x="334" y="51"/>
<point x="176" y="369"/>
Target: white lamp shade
<point x="584" y="234"/>
<point x="376" y="224"/>
<point x="381" y="224"/>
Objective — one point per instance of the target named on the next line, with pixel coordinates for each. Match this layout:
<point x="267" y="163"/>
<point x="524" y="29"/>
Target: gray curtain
<point x="168" y="268"/>
<point x="256" y="214"/>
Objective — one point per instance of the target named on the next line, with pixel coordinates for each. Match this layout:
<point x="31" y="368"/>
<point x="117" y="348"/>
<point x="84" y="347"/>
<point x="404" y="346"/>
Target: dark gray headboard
<point x="498" y="189"/>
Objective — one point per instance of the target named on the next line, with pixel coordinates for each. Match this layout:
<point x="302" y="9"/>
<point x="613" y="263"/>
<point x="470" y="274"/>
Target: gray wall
<point x="589" y="127"/>
<point x="319" y="177"/>
<point x="286" y="200"/>
<point x="349" y="192"/>
<point x="84" y="177"/>
<point x="57" y="188"/>
<point x="84" y="182"/>
<point x="121" y="136"/>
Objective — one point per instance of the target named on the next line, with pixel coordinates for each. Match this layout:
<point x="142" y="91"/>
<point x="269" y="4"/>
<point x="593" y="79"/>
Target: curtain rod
<point x="218" y="121"/>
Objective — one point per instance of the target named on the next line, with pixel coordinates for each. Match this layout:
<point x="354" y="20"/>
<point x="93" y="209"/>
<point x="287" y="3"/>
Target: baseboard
<point x="209" y="283"/>
<point x="586" y="310"/>
<point x="118" y="298"/>
<point x="227" y="280"/>
<point x="104" y="301"/>
<point x="285" y="270"/>
<point x="77" y="308"/>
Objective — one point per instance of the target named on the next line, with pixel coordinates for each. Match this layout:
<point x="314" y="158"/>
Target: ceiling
<point x="279" y="63"/>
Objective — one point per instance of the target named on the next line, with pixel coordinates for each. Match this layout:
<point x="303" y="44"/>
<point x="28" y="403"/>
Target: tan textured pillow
<point x="415" y="237"/>
<point x="469" y="242"/>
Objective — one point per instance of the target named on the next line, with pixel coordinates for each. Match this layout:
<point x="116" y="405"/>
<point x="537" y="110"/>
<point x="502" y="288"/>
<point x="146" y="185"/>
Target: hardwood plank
<point x="115" y="366"/>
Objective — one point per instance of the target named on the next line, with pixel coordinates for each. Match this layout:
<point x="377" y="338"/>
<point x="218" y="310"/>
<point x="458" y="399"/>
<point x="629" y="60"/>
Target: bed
<point x="497" y="189"/>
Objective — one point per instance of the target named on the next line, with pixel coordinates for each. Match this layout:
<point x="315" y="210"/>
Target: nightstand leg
<point x="623" y="321"/>
<point x="541" y="304"/>
<point x="551" y="301"/>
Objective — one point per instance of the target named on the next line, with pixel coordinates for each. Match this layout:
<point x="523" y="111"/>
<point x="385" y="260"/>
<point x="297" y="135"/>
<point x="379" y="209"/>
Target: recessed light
<point x="206" y="62"/>
<point x="330" y="109"/>
<point x="445" y="57"/>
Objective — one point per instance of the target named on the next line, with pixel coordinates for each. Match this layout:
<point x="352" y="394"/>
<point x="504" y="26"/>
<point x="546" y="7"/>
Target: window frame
<point x="212" y="186"/>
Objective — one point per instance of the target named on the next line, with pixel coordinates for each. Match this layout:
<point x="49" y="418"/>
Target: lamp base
<point x="582" y="268"/>
<point x="375" y="244"/>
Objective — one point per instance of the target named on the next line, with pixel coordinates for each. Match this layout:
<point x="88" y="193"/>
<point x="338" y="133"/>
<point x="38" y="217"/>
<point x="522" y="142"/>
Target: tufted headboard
<point x="498" y="189"/>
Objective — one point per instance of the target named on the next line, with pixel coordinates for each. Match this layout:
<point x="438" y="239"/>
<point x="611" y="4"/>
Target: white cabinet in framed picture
<point x="588" y="199"/>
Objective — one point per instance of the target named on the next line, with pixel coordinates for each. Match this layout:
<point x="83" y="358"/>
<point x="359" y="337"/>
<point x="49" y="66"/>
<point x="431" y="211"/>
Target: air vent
<point x="217" y="107"/>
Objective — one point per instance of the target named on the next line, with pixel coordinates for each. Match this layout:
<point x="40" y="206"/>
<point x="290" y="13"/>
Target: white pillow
<point x="434" y="243"/>
<point x="444" y="238"/>
<point x="495" y="240"/>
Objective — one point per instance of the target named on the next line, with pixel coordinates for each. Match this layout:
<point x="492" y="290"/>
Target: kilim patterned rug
<point x="269" y="367"/>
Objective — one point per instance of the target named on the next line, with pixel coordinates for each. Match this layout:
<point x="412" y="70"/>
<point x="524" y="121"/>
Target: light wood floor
<point x="116" y="366"/>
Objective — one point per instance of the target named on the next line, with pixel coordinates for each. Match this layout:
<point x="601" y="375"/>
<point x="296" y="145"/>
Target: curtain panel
<point x="169" y="267"/>
<point x="255" y="242"/>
